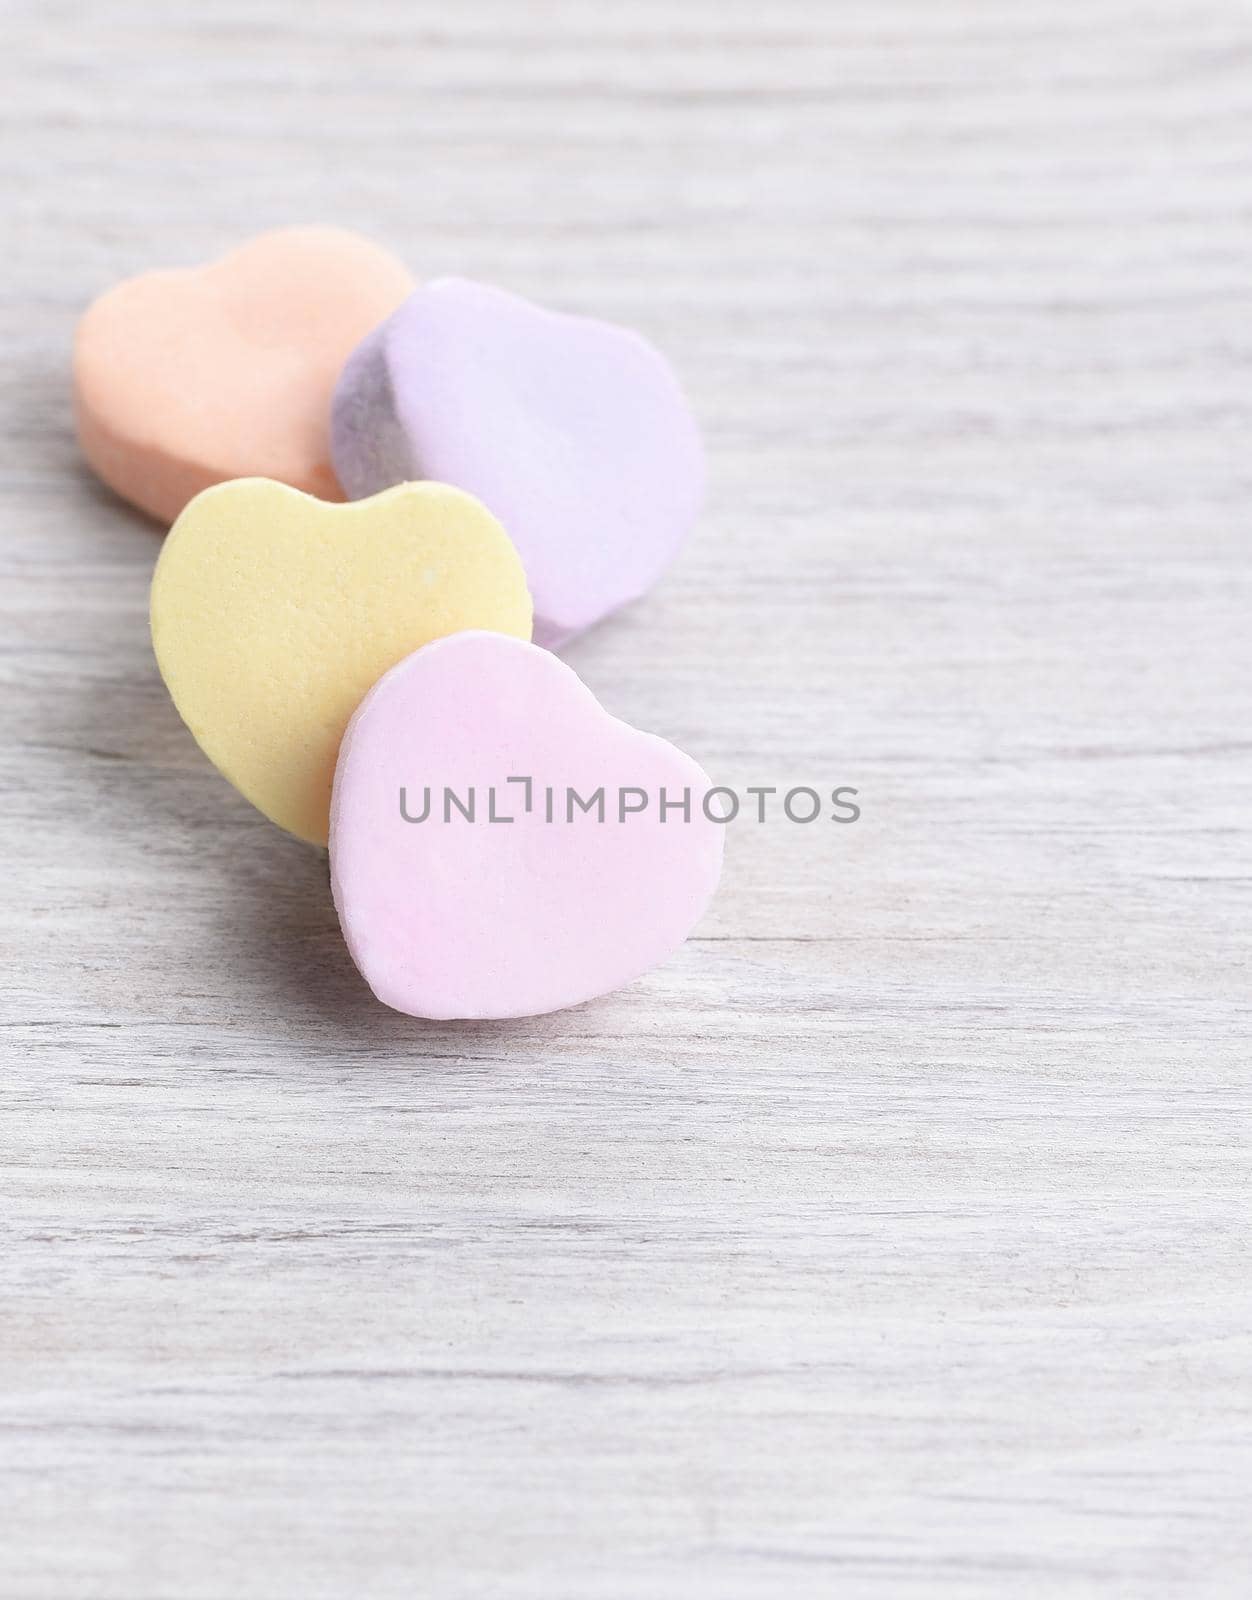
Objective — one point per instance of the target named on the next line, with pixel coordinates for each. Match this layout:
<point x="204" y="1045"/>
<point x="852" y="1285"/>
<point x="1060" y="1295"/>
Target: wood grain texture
<point x="894" y="1239"/>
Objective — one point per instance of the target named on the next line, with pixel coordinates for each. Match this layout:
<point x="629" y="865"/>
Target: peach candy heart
<point x="185" y="378"/>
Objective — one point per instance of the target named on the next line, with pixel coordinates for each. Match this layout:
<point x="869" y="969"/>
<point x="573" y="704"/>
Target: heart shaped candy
<point x="574" y="432"/>
<point x="448" y="917"/>
<point x="187" y="378"/>
<point x="273" y="613"/>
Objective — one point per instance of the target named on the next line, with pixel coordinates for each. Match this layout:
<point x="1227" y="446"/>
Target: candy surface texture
<point x="574" y="432"/>
<point x="447" y="917"/>
<point x="185" y="378"/>
<point x="273" y="613"/>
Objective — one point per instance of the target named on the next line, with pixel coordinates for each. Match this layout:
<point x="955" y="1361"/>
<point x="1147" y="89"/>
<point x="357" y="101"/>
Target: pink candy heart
<point x="448" y="917"/>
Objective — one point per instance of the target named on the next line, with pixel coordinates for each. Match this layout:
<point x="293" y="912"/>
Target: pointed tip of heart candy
<point x="468" y="883"/>
<point x="574" y="431"/>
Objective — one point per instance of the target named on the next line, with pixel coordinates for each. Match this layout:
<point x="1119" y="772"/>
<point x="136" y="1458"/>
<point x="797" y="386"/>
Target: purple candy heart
<point x="574" y="432"/>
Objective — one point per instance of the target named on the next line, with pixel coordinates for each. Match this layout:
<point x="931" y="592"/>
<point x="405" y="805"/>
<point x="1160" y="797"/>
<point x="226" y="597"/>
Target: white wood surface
<point x="894" y="1239"/>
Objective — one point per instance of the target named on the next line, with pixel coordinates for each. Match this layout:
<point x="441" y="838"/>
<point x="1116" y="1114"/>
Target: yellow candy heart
<point x="273" y="613"/>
